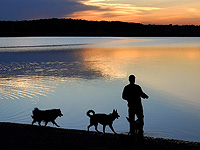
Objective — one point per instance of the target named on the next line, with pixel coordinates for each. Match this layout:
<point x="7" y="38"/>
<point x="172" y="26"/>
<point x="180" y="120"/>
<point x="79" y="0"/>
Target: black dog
<point x="103" y="119"/>
<point x="46" y="116"/>
<point x="136" y="125"/>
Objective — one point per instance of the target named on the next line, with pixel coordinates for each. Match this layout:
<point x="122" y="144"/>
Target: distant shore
<point x="32" y="137"/>
<point x="78" y="27"/>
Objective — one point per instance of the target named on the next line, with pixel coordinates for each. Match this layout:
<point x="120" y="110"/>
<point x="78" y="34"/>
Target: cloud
<point x="155" y="12"/>
<point x="112" y="11"/>
<point x="36" y="9"/>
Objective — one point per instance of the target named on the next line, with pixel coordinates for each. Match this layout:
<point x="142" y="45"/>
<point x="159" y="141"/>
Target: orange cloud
<point x="105" y="10"/>
<point x="111" y="11"/>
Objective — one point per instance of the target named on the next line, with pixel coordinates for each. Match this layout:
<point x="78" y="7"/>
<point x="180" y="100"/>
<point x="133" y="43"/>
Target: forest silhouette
<point x="78" y="27"/>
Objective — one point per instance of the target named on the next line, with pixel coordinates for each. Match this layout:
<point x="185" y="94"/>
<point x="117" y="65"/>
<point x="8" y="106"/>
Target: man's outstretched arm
<point x="143" y="95"/>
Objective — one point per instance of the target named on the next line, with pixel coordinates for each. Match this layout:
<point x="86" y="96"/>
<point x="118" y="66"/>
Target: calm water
<point x="76" y="74"/>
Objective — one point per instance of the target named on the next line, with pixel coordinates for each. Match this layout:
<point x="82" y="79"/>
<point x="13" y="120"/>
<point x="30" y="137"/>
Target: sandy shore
<point x="22" y="136"/>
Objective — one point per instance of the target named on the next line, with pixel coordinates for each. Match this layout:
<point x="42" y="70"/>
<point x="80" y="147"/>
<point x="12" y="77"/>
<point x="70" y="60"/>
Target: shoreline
<point x="26" y="136"/>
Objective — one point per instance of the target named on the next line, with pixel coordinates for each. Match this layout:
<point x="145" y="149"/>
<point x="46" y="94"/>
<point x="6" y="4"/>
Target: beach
<point x="25" y="136"/>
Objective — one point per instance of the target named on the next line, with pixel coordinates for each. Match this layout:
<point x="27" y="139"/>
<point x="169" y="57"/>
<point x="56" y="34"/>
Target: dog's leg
<point x="96" y="127"/>
<point x="39" y="122"/>
<point x="89" y="126"/>
<point x="111" y="127"/>
<point x="46" y="123"/>
<point x="129" y="133"/>
<point x="55" y="123"/>
<point x="104" y="127"/>
<point x="33" y="122"/>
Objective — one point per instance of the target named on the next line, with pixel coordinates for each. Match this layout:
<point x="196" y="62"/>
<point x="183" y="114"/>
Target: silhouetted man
<point x="133" y="93"/>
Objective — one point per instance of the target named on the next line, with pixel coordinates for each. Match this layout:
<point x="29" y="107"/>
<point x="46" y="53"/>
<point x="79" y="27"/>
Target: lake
<point x="76" y="74"/>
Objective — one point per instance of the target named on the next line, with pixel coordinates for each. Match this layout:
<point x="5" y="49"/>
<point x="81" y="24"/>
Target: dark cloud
<point x="36" y="9"/>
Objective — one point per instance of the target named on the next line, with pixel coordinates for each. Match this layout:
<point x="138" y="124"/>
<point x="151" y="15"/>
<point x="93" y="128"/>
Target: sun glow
<point x="147" y="13"/>
<point x="111" y="11"/>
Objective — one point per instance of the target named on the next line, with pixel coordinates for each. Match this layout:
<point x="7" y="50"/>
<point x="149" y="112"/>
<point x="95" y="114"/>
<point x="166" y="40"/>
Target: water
<point x="76" y="74"/>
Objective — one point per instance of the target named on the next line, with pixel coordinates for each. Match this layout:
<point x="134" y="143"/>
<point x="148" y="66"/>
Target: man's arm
<point x="143" y="95"/>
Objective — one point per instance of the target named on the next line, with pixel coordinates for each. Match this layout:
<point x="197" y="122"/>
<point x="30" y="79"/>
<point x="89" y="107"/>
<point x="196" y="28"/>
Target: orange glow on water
<point x="152" y="65"/>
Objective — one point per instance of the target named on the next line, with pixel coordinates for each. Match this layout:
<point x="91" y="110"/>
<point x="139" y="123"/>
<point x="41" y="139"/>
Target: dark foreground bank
<point x="20" y="136"/>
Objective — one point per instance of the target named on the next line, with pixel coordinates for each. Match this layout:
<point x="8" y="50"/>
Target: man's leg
<point x="140" y="117"/>
<point x="131" y="120"/>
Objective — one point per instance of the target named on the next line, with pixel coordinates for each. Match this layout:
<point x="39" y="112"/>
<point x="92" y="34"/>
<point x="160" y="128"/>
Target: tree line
<point x="78" y="27"/>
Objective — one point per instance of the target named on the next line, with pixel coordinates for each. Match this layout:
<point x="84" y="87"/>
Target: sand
<point x="31" y="137"/>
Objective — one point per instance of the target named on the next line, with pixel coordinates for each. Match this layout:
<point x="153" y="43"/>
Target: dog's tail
<point x="90" y="111"/>
<point x="35" y="112"/>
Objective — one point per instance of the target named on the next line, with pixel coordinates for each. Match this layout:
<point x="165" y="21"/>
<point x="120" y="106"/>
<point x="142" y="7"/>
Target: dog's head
<point x="59" y="113"/>
<point x="115" y="114"/>
<point x="136" y="123"/>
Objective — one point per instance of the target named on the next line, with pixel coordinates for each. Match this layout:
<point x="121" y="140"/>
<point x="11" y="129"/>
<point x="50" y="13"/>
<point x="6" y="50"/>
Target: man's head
<point x="132" y="79"/>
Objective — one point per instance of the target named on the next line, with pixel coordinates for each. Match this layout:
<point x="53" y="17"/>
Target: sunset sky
<point x="142" y="11"/>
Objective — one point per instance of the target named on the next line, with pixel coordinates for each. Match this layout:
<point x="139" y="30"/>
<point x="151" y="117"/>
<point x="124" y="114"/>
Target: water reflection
<point x="24" y="86"/>
<point x="162" y="68"/>
<point x="105" y="62"/>
<point x="29" y="75"/>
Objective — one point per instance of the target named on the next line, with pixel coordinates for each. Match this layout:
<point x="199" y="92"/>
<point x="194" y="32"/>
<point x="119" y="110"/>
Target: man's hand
<point x="146" y="96"/>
